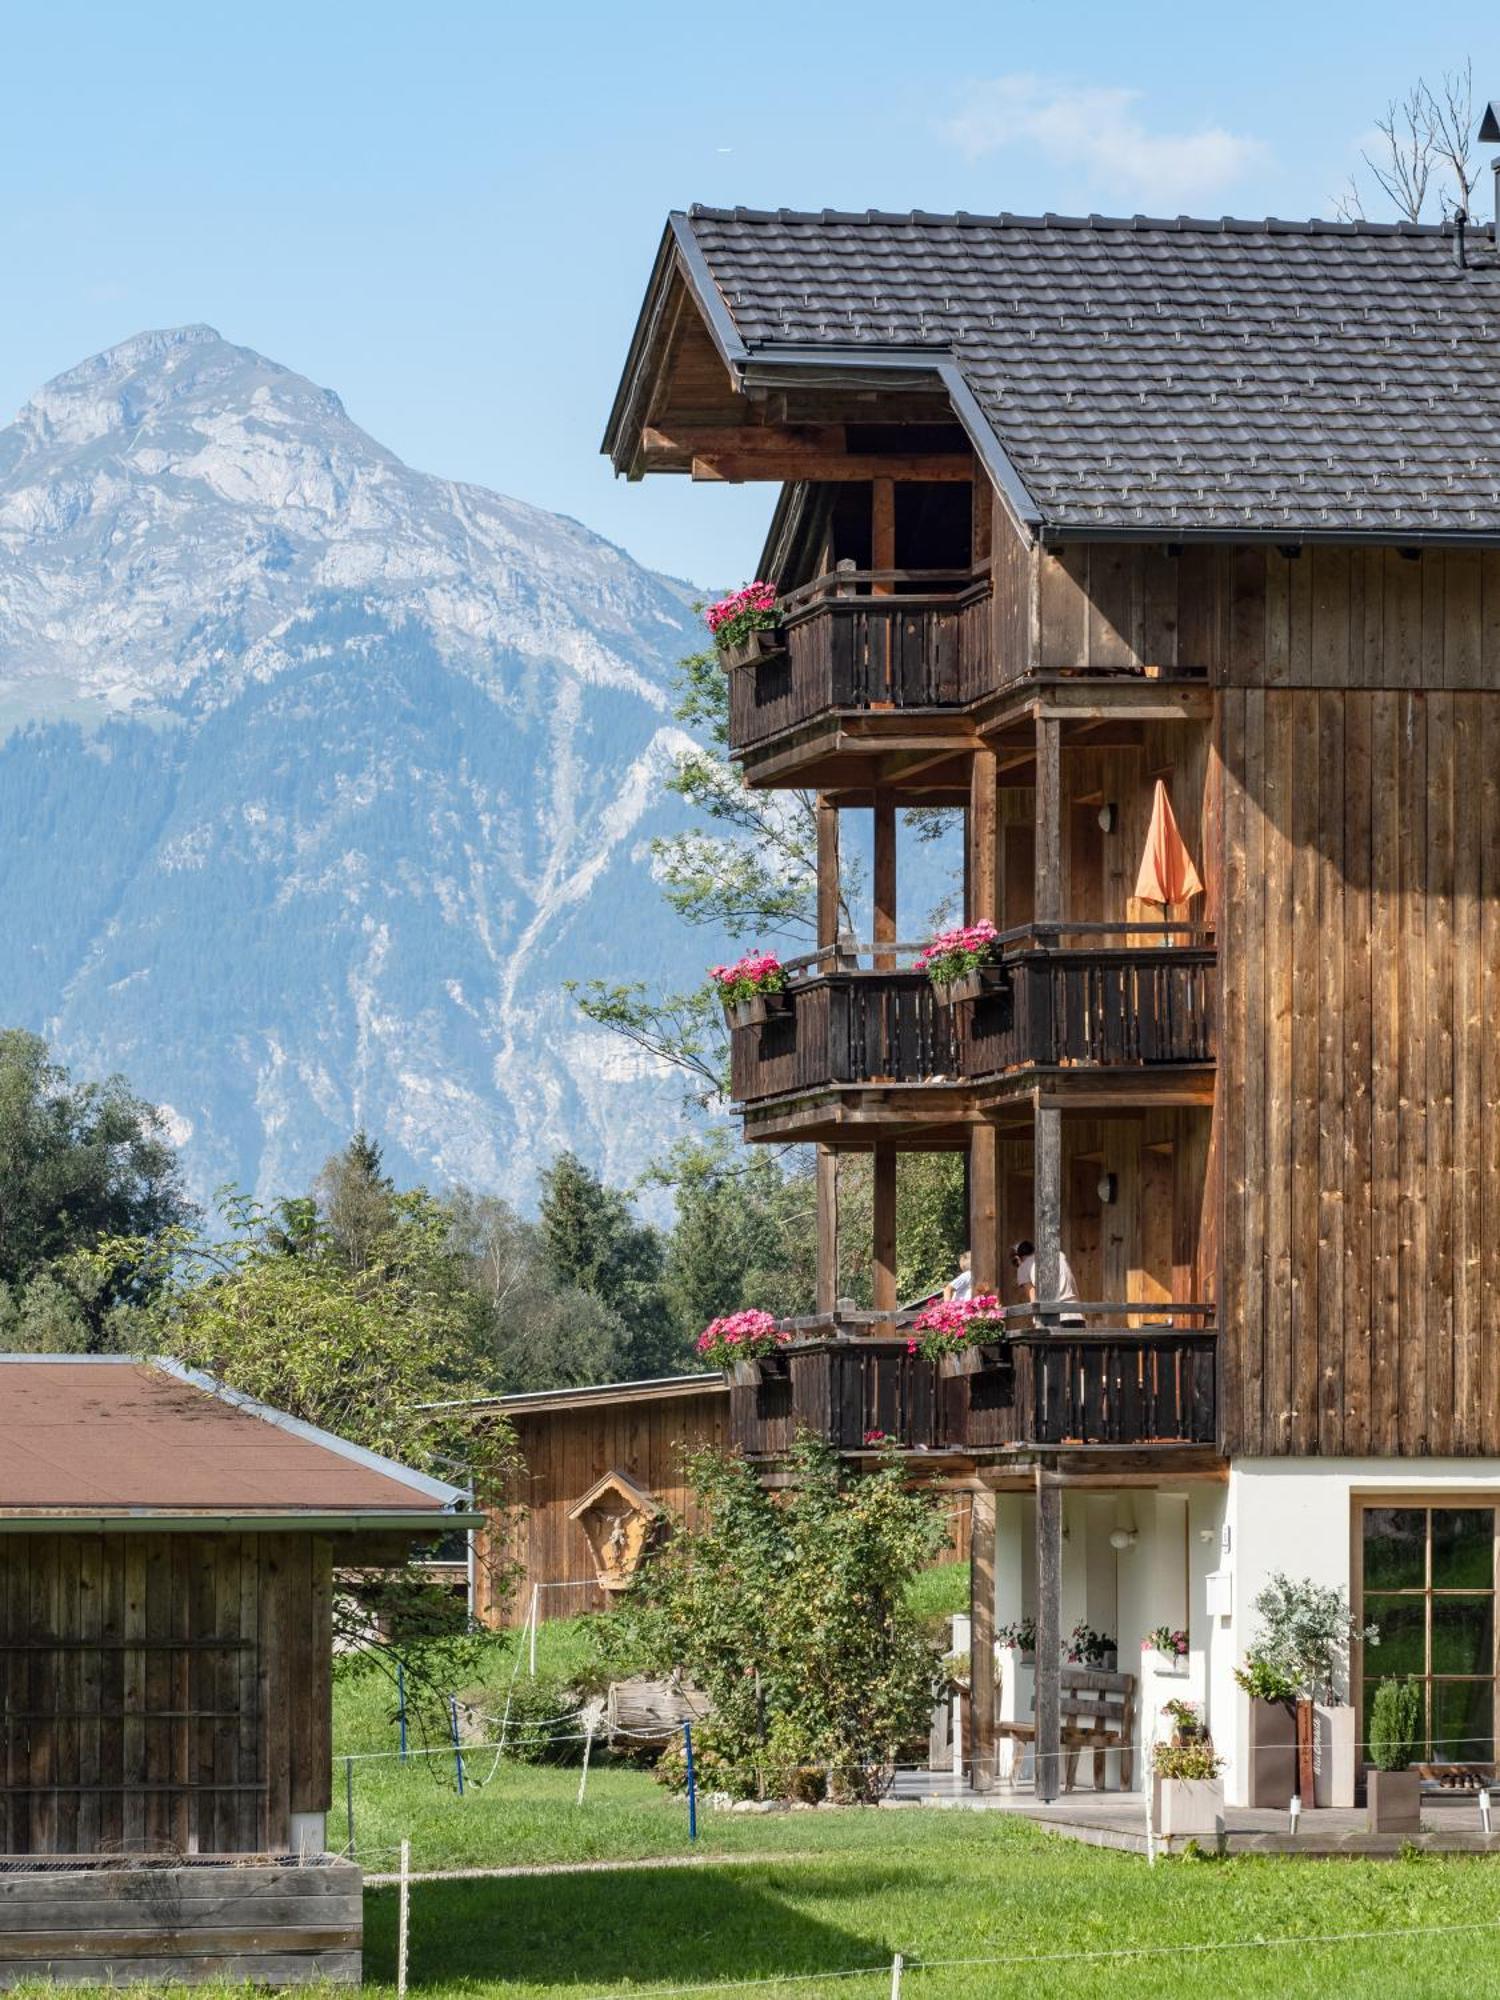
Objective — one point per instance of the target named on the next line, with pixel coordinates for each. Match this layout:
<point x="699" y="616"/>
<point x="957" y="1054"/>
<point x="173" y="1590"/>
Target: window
<point x="1429" y="1584"/>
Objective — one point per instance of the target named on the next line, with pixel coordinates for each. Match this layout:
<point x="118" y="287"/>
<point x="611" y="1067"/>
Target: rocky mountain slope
<point x="320" y="776"/>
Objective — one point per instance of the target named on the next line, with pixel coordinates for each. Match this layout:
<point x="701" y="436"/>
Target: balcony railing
<point x="1131" y="1375"/>
<point x="1093" y="1005"/>
<point x="865" y="640"/>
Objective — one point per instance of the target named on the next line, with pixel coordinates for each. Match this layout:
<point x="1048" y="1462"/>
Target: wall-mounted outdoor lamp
<point x="1108" y="1189"/>
<point x="1108" y="818"/>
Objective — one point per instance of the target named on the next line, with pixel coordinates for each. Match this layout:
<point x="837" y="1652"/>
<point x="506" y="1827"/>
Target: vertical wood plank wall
<point x="1360" y="968"/>
<point x="563" y="1452"/>
<point x="163" y="1691"/>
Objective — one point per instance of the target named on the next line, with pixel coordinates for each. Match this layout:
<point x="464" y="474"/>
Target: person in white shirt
<point x="961" y="1287"/>
<point x="1023" y="1261"/>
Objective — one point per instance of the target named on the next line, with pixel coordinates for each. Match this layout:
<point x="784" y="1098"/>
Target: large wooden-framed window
<point x="1427" y="1579"/>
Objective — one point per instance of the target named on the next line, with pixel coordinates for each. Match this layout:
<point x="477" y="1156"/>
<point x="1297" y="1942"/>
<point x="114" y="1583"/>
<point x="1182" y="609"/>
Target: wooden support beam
<point x="884" y="1288"/>
<point x="984" y="1206"/>
<point x="1048" y="902"/>
<point x="1047" y="1184"/>
<point x="884" y="884"/>
<point x="882" y="531"/>
<point x="1049" y="1553"/>
<point x="982" y="1642"/>
<point x="981" y="861"/>
<point x="737" y="467"/>
<point x="666" y="439"/>
<point x="829" y="899"/>
<point x="827" y="1280"/>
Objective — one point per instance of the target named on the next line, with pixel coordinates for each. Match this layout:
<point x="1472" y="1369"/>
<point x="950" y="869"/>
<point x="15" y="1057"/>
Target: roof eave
<point x="1058" y="533"/>
<point x="422" y="1524"/>
<point x="677" y="256"/>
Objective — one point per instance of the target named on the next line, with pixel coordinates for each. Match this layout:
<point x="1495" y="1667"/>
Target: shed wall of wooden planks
<point x="566" y="1451"/>
<point x="563" y="1453"/>
<point x="163" y="1691"/>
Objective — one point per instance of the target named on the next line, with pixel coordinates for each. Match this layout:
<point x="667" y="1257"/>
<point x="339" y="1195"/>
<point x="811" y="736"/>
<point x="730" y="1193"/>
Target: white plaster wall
<point x="1295" y="1515"/>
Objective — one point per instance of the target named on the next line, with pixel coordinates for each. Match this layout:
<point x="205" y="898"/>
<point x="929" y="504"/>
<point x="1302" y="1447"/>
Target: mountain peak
<point x="136" y="380"/>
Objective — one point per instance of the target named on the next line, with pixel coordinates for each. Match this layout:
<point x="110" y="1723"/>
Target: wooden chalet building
<point x="1067" y="507"/>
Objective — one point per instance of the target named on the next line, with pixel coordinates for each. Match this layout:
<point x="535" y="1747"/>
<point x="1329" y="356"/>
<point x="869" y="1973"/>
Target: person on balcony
<point x="961" y="1287"/>
<point x="1023" y="1261"/>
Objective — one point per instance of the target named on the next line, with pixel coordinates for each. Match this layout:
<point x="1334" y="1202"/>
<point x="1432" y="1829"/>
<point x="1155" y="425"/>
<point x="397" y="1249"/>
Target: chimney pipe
<point x="1460" y="224"/>
<point x="1495" y="170"/>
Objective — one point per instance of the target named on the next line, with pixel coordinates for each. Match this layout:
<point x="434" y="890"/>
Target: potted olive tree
<point x="1188" y="1791"/>
<point x="1393" y="1790"/>
<point x="1299" y="1663"/>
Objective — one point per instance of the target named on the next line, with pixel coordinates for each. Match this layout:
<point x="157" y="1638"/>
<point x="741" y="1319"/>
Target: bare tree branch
<point x="1406" y="168"/>
<point x="1449" y="112"/>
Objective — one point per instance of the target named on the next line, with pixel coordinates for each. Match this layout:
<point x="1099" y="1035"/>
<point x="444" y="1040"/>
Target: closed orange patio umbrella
<point x="1167" y="874"/>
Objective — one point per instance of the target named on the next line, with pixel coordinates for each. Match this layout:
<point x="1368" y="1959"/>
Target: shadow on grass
<point x="645" y="1926"/>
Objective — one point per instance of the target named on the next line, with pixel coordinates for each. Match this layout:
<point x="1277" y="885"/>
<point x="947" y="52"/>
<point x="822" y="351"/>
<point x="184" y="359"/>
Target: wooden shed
<point x="167" y="1557"/>
<point x="575" y="1446"/>
<point x="597" y="1466"/>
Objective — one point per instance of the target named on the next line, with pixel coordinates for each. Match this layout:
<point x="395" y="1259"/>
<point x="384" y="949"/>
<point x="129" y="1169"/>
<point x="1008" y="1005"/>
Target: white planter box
<point x="1171" y="1666"/>
<point x="1333" y="1756"/>
<point x="1189" y="1808"/>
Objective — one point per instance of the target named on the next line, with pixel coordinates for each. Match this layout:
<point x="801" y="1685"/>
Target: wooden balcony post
<point x="1047" y="900"/>
<point x="885" y="1229"/>
<point x="981" y="855"/>
<point x="982" y="1642"/>
<point x="883" y="556"/>
<point x="827" y="1281"/>
<point x="984" y="1206"/>
<point x="830" y="902"/>
<point x="1047" y="1189"/>
<point x="1049" y="1551"/>
<point x="885" y="880"/>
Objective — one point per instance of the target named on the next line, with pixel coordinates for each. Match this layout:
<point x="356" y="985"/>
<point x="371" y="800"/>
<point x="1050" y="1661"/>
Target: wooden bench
<point x="1098" y="1714"/>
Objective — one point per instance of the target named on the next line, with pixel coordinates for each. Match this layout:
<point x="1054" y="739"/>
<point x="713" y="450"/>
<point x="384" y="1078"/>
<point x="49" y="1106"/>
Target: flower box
<point x="765" y="643"/>
<point x="1189" y="1808"/>
<point x="972" y="985"/>
<point x="960" y="1361"/>
<point x="743" y="1374"/>
<point x="1173" y="1665"/>
<point x="759" y="1008"/>
<point x="1394" y="1801"/>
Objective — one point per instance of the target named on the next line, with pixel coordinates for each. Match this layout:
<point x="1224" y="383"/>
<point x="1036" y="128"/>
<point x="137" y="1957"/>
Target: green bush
<point x="542" y="1724"/>
<point x="1395" y="1724"/>
<point x="792" y="1612"/>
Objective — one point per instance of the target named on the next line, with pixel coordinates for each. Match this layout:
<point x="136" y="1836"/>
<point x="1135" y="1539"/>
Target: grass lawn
<point x="828" y="1892"/>
<point x="946" y="1886"/>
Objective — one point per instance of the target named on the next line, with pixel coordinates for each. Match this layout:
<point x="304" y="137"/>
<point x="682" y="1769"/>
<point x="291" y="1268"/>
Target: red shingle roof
<point x="101" y="1435"/>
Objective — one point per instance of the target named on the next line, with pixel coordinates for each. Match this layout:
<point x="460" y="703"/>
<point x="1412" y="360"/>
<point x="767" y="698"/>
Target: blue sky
<point x="448" y="212"/>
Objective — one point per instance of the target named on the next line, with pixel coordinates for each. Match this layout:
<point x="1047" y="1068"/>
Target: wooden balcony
<point x="1076" y="1005"/>
<point x="848" y="646"/>
<point x="1131" y="1377"/>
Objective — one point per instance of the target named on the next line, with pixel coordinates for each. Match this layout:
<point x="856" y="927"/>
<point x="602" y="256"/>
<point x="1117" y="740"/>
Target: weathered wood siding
<point x="1249" y="617"/>
<point x="563" y="1452"/>
<point x="1156" y="1240"/>
<point x="1360" y="1069"/>
<point x="263" y="1925"/>
<point x="162" y="1690"/>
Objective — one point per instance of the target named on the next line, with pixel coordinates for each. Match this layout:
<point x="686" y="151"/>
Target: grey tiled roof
<point x="1205" y="376"/>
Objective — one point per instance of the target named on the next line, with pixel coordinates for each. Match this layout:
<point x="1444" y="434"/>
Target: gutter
<point x="428" y="1524"/>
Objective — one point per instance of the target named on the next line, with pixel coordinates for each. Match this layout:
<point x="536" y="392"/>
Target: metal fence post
<point x="692" y="1781"/>
<point x="458" y="1755"/>
<point x="349" y="1801"/>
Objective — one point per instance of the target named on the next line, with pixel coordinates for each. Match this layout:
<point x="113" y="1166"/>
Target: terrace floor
<point x="1450" y="1825"/>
